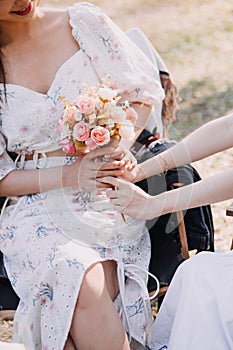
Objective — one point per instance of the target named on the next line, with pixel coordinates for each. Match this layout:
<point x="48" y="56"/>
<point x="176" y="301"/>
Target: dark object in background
<point x="165" y="246"/>
<point x="8" y="298"/>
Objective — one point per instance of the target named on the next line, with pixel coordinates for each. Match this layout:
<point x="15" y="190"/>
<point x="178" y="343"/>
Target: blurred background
<point x="195" y="39"/>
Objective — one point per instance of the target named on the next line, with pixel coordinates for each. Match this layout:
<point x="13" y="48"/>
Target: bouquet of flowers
<point x="94" y="118"/>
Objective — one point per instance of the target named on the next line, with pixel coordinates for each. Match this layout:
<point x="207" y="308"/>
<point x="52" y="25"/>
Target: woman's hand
<point x="83" y="173"/>
<point x="128" y="162"/>
<point x="129" y="199"/>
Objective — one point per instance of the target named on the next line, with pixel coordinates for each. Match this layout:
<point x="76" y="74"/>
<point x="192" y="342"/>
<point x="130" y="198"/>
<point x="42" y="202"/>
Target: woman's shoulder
<point x="53" y="17"/>
<point x="52" y="12"/>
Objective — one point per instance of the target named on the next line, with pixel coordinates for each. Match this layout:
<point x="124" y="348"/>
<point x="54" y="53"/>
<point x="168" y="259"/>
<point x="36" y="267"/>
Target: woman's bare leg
<point x="69" y="345"/>
<point x="96" y="324"/>
<point x="110" y="268"/>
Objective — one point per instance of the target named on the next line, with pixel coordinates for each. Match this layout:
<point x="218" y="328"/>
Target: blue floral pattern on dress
<point x="43" y="290"/>
<point x="135" y="308"/>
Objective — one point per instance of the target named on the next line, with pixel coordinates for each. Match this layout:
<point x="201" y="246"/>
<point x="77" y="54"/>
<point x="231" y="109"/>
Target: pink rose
<point x="91" y="145"/>
<point x="67" y="146"/>
<point x="100" y="135"/>
<point x="81" y="131"/>
<point x="131" y="114"/>
<point x="86" y="104"/>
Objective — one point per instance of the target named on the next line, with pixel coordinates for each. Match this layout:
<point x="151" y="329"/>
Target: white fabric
<point x="48" y="238"/>
<point x="197" y="312"/>
<point x="113" y="53"/>
<point x="11" y="346"/>
<point x="137" y="36"/>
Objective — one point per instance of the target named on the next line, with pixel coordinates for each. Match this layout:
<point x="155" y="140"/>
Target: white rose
<point x="77" y="115"/>
<point x="117" y="114"/>
<point x="110" y="123"/>
<point x="107" y="94"/>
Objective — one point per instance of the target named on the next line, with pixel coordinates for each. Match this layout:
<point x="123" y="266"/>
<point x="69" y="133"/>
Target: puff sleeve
<point x="6" y="163"/>
<point x="114" y="55"/>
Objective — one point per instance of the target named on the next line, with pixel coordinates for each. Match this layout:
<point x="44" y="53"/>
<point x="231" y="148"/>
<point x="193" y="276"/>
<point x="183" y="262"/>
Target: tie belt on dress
<point x="22" y="158"/>
<point x="44" y="154"/>
<point x="131" y="271"/>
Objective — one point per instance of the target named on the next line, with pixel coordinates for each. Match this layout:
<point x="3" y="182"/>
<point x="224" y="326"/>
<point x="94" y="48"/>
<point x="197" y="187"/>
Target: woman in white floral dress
<point x="68" y="256"/>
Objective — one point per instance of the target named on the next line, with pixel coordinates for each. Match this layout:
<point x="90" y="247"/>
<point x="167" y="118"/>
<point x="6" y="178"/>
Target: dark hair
<point x="2" y="77"/>
<point x="3" y="42"/>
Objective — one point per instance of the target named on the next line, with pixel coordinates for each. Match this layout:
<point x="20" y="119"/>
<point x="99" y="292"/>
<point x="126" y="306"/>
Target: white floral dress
<point x="49" y="239"/>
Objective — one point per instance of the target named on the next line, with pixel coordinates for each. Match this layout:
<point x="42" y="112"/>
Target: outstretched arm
<point x="133" y="201"/>
<point x="213" y="137"/>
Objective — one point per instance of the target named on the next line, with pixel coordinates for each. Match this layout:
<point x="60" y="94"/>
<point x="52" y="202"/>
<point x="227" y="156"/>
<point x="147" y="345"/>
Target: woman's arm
<point x="23" y="182"/>
<point x="81" y="174"/>
<point x="143" y="110"/>
<point x="133" y="201"/>
<point x="213" y="137"/>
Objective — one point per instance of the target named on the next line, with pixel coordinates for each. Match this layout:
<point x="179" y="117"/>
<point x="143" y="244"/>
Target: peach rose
<point x="85" y="103"/>
<point x="81" y="131"/>
<point x="100" y="135"/>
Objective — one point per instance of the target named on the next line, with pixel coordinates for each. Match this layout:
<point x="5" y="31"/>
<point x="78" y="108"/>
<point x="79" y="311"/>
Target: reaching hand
<point x="128" y="163"/>
<point x="129" y="198"/>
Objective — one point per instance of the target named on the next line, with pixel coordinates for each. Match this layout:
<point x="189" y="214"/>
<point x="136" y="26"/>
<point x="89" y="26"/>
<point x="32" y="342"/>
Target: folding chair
<point x="184" y="250"/>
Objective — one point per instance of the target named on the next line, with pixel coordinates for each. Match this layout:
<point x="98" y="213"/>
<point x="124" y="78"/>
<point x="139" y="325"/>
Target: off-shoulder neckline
<point x="52" y="83"/>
